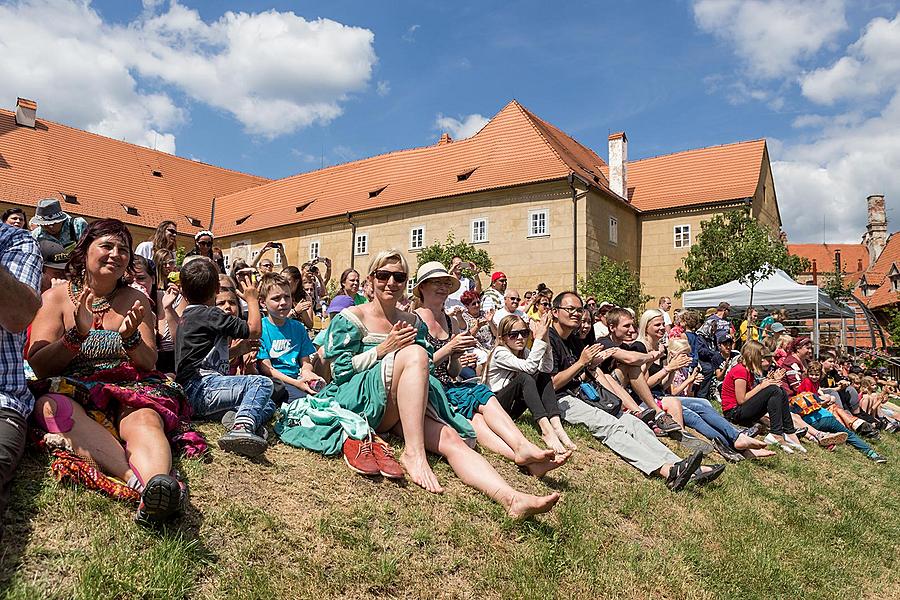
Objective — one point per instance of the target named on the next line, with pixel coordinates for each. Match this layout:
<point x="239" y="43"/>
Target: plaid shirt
<point x="20" y="256"/>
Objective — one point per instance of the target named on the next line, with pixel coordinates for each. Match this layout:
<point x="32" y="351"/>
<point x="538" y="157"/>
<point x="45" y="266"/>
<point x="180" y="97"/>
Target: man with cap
<point x="51" y="223"/>
<point x="20" y="278"/>
<point x="717" y="323"/>
<point x="719" y="364"/>
<point x="601" y="329"/>
<point x="492" y="298"/>
<point x="55" y="260"/>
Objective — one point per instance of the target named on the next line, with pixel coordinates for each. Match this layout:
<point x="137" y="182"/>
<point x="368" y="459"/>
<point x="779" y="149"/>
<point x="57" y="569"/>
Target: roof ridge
<point x="106" y="137"/>
<point x="738" y="143"/>
<point x="529" y="116"/>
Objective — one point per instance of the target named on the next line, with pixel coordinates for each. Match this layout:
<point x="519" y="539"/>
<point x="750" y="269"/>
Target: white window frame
<point x="226" y="260"/>
<point x="531" y="222"/>
<point x="614" y="231"/>
<point x="315" y="249"/>
<point x="682" y="236"/>
<point x="412" y="238"/>
<point x="410" y="284"/>
<point x="276" y="258"/>
<point x="484" y="237"/>
<point x="253" y="255"/>
<point x="364" y="237"/>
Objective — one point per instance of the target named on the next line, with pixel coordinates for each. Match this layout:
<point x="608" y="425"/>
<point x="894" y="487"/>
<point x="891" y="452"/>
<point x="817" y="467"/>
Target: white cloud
<point x="274" y="71"/>
<point x="410" y="35"/>
<point x="460" y="128"/>
<point x="772" y="36"/>
<point x="871" y="64"/>
<point x="383" y="88"/>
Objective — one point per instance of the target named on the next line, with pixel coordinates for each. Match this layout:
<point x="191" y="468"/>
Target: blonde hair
<point x="678" y="346"/>
<point x="388" y="256"/>
<point x="503" y="329"/>
<point x="648" y="316"/>
<point x="867" y="383"/>
<point x="752" y="355"/>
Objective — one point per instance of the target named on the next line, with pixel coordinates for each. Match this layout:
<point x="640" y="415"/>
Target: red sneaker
<point x="358" y="456"/>
<point x="387" y="464"/>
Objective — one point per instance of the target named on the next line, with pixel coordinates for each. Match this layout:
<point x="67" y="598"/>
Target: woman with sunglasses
<point x="495" y="428"/>
<point x="203" y="244"/>
<point x="380" y="370"/>
<point x="510" y="372"/>
<point x="164" y="238"/>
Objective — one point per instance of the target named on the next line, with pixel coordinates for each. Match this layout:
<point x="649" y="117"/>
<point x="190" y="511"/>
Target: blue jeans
<point x="700" y="415"/>
<point x="829" y="424"/>
<point x="212" y="396"/>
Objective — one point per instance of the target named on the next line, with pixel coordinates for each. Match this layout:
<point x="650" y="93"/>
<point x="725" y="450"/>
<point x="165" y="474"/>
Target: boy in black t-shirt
<point x="201" y="359"/>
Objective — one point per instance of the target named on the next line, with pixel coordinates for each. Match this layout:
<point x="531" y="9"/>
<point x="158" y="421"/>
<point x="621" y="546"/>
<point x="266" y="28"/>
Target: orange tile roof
<point x="877" y="275"/>
<point x="513" y="148"/>
<point x="52" y="159"/>
<point x="823" y="254"/>
<point x="701" y="176"/>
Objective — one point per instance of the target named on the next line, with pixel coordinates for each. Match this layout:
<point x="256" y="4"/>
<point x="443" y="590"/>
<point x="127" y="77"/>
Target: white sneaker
<point x="774" y="441"/>
<point x="796" y="446"/>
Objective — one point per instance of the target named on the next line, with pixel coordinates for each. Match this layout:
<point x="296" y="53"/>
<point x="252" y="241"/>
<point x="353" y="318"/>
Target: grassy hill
<point x="824" y="525"/>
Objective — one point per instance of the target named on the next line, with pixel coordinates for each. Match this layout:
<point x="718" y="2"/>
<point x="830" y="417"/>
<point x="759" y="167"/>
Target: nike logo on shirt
<point x="279" y="353"/>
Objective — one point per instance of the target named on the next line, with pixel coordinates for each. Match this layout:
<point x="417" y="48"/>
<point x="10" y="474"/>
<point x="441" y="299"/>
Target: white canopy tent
<point x="775" y="292"/>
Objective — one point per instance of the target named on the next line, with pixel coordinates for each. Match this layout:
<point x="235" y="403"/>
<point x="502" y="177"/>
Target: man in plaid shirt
<point x="20" y="284"/>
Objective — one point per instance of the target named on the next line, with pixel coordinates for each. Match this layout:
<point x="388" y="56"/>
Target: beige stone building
<point x="544" y="206"/>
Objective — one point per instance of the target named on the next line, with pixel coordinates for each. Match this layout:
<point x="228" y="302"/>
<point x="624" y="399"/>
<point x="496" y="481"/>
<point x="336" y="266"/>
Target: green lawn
<point x="825" y="525"/>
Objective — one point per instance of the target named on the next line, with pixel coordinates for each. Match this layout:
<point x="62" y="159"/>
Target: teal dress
<point x="359" y="384"/>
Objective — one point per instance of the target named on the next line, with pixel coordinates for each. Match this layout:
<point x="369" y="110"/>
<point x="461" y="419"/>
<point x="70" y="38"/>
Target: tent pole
<point x="816" y="333"/>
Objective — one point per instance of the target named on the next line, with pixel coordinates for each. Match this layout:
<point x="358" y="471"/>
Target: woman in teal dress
<point x="380" y="365"/>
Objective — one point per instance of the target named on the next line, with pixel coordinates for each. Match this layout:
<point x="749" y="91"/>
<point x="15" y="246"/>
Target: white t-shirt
<point x="502" y="312"/>
<point x="455" y="299"/>
<point x="600" y="330"/>
<point x="667" y="320"/>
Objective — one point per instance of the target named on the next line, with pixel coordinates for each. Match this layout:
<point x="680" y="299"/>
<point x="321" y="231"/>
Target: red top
<point x="738" y="371"/>
<point x="808" y="385"/>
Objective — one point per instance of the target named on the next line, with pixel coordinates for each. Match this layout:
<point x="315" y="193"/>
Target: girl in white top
<point x="164" y="238"/>
<point x="517" y="375"/>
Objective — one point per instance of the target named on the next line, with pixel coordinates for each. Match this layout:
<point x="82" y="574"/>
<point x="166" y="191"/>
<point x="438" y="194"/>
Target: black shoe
<point x="801" y="432"/>
<point x="865" y="429"/>
<point x="704" y="477"/>
<point x="727" y="452"/>
<point x="753" y="431"/>
<point x="666" y="423"/>
<point x="240" y="440"/>
<point x="647" y="415"/>
<point x="162" y="499"/>
<point x="681" y="472"/>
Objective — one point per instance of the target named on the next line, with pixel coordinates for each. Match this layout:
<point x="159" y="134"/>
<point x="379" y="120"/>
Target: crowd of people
<point x="111" y="351"/>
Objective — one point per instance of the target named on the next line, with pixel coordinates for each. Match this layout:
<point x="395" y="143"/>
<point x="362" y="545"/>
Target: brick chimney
<point x="445" y="139"/>
<point x="618" y="156"/>
<point x="26" y="112"/>
<point x="875" y="237"/>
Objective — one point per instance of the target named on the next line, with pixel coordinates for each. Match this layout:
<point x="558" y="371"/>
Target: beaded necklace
<point x="100" y="305"/>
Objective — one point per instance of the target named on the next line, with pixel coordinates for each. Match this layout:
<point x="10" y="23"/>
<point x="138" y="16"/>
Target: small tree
<point x="444" y="253"/>
<point x="615" y="282"/>
<point x="835" y="286"/>
<point x="735" y="246"/>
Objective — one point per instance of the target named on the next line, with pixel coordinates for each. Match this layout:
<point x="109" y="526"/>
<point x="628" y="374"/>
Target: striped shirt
<point x="20" y="256"/>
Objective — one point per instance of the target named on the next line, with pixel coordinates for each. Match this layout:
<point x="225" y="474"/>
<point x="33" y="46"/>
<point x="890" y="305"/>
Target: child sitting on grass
<point x="285" y="346"/>
<point x="871" y="402"/>
<point x="811" y="408"/>
<point x="201" y="358"/>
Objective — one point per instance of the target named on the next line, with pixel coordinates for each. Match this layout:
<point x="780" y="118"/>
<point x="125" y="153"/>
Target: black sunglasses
<point x="544" y="304"/>
<point x="398" y="276"/>
<point x="172" y="231"/>
<point x="226" y="288"/>
<point x="202" y="243"/>
<point x="513" y="298"/>
<point x="519" y="333"/>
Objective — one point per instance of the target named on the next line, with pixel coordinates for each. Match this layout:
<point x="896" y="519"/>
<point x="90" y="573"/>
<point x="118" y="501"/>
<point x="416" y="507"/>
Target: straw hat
<point x="433" y="270"/>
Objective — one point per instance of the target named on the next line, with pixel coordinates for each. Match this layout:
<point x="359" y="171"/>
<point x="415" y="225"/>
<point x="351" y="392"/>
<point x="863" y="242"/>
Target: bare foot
<point x="539" y="469"/>
<point x="528" y="453"/>
<point x="561" y="434"/>
<point x="757" y="453"/>
<point x="420" y="472"/>
<point x="553" y="442"/>
<point x="526" y="505"/>
<point x="745" y="442"/>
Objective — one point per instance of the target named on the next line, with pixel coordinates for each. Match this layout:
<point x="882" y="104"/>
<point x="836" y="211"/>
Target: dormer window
<point x="193" y="221"/>
<point x="377" y="191"/>
<point x="242" y="220"/>
<point x="894" y="276"/>
<point x="131" y="210"/>
<point x="465" y="174"/>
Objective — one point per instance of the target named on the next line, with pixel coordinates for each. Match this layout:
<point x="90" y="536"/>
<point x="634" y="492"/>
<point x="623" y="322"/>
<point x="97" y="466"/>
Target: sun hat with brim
<point x="48" y="212"/>
<point x="339" y="303"/>
<point x="433" y="270"/>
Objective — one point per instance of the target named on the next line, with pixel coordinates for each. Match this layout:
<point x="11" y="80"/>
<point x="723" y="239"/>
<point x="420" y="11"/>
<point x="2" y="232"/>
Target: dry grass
<point x="300" y="526"/>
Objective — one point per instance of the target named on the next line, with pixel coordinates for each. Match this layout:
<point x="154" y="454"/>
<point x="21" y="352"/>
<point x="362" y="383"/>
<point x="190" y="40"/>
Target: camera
<point x="277" y="245"/>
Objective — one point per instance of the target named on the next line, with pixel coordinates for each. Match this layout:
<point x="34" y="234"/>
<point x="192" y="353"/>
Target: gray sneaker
<point x="241" y="440"/>
<point x="228" y="423"/>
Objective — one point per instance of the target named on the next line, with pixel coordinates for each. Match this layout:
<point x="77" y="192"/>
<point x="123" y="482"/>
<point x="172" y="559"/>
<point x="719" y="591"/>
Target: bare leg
<point x="757" y="453"/>
<point x="548" y="434"/>
<point x="490" y="440"/>
<point x="672" y="406"/>
<point x="478" y="473"/>
<point x="146" y="445"/>
<point x="610" y="383"/>
<point x="560" y="431"/>
<point x="502" y="424"/>
<point x="90" y="439"/>
<point x="406" y="404"/>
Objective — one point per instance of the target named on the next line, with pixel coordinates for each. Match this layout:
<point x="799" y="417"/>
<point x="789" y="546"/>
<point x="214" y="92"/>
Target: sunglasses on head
<point x="519" y="333"/>
<point x="381" y="275"/>
<point x="226" y="288"/>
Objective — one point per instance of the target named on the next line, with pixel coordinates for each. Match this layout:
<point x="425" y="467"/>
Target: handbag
<point x="600" y="398"/>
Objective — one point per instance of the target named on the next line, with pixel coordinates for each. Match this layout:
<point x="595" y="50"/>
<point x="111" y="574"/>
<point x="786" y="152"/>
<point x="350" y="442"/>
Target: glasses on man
<point x="399" y="276"/>
<point x="513" y="298"/>
<point x="519" y="333"/>
<point x="573" y="310"/>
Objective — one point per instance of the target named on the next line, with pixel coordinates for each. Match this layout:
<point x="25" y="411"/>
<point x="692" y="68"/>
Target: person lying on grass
<point x="380" y="370"/>
<point x="495" y="430"/>
<point x="511" y="371"/>
<point x="626" y="435"/>
<point x="94" y="344"/>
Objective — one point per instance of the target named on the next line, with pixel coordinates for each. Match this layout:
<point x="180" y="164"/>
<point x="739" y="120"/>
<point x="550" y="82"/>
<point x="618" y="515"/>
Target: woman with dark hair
<point x="203" y="244"/>
<point x="350" y="286"/>
<point x="164" y="238"/>
<point x="303" y="305"/>
<point x="93" y="344"/>
<point x="14" y="217"/>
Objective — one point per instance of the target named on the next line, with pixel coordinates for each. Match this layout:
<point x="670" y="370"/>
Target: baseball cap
<point x="723" y="337"/>
<point x="777" y="327"/>
<point x="54" y="255"/>
<point x="339" y="303"/>
<point x="498" y="275"/>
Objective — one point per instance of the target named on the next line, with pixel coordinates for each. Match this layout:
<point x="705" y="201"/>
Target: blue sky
<point x="270" y="90"/>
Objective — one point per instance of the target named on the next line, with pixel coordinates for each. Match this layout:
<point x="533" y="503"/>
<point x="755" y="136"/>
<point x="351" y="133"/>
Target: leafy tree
<point x="444" y="253"/>
<point x="180" y="253"/>
<point x="835" y="286"/>
<point x="892" y="323"/>
<point x="735" y="246"/>
<point x="615" y="282"/>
